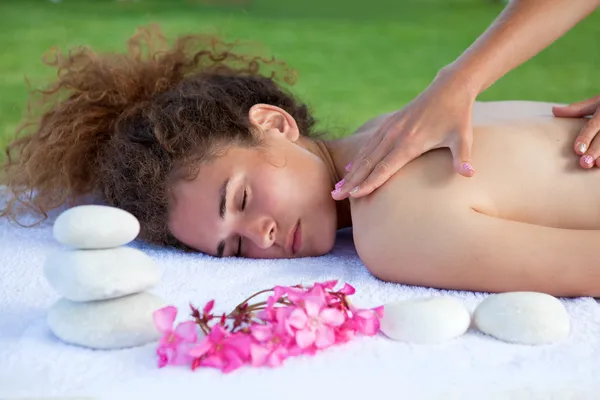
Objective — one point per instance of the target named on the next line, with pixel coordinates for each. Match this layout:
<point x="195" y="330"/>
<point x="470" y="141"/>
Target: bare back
<point x="526" y="172"/>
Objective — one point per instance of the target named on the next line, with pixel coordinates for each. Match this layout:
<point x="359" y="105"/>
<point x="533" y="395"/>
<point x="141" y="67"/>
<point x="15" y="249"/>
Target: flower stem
<point x="253" y="296"/>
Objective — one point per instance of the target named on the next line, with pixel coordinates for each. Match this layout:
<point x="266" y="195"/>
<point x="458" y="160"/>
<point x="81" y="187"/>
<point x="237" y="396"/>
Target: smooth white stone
<point x="95" y="227"/>
<point x="84" y="275"/>
<point x="523" y="317"/>
<point x="425" y="320"/>
<point x="109" y="324"/>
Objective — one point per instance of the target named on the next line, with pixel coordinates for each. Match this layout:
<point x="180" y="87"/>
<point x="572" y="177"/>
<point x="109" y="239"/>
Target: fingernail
<point x="589" y="160"/>
<point x="339" y="184"/>
<point x="348" y="167"/>
<point x="336" y="191"/>
<point x="467" y="167"/>
<point x="582" y="147"/>
<point x="354" y="190"/>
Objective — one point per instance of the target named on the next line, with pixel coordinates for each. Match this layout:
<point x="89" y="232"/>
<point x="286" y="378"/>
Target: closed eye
<point x="239" y="251"/>
<point x="244" y="199"/>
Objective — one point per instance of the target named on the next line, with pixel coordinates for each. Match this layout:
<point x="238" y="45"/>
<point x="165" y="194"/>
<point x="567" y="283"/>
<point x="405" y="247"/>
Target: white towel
<point x="34" y="363"/>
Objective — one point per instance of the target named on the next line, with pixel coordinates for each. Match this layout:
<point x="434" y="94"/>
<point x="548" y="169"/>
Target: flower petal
<point x="378" y="311"/>
<point x="276" y="357"/>
<point x="328" y="284"/>
<point x="367" y="322"/>
<point x="164" y="318"/>
<point x="239" y="343"/>
<point x="217" y="333"/>
<point x="297" y="318"/>
<point x="278" y="293"/>
<point x="348" y="289"/>
<point x="214" y="361"/>
<point x="258" y="354"/>
<point x="324" y="337"/>
<point x="201" y="348"/>
<point x="187" y="331"/>
<point x="208" y="307"/>
<point x="332" y="317"/>
<point x="317" y="296"/>
<point x="165" y="354"/>
<point x="294" y="294"/>
<point x="232" y="360"/>
<point x="181" y="355"/>
<point x="261" y="332"/>
<point x="343" y="335"/>
<point x="312" y="307"/>
<point x="168" y="339"/>
<point x="305" y="338"/>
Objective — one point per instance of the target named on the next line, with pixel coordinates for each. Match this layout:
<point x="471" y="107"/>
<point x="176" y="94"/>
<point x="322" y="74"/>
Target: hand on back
<point x="586" y="144"/>
<point x="438" y="117"/>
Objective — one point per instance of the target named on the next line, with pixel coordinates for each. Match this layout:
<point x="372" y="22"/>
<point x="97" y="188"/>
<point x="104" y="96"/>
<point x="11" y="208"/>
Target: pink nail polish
<point x="336" y="191"/>
<point x="348" y="167"/>
<point x="587" y="159"/>
<point x="467" y="167"/>
<point x="339" y="184"/>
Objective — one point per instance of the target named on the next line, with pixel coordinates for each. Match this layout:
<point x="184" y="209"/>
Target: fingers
<point x="372" y="159"/>
<point x="360" y="167"/>
<point x="588" y="137"/>
<point x="376" y="148"/>
<point x="579" y="109"/>
<point x="461" y="152"/>
<point x="380" y="173"/>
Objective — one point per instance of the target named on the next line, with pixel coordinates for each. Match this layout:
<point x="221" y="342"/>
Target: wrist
<point x="460" y="78"/>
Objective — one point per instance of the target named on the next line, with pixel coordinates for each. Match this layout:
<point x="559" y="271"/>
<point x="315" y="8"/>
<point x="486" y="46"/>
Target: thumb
<point x="461" y="154"/>
<point x="577" y="110"/>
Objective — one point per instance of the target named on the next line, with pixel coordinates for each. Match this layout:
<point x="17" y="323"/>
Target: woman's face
<point x="267" y="202"/>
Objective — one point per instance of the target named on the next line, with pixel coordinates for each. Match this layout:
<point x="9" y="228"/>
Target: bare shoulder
<point x="485" y="112"/>
<point x="392" y="226"/>
<point x="488" y="111"/>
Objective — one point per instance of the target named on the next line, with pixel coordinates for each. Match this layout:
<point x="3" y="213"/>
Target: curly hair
<point x="125" y="127"/>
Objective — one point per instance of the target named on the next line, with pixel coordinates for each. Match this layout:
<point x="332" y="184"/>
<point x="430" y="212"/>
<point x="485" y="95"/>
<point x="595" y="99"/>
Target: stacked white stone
<point x="103" y="283"/>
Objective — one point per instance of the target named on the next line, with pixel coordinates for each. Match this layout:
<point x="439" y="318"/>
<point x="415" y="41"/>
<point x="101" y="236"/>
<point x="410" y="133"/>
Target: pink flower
<point x="315" y="323"/>
<point x="365" y="321"/>
<point x="221" y="349"/>
<point x="271" y="346"/>
<point x="348" y="289"/>
<point x="345" y="332"/>
<point x="295" y="320"/>
<point x="172" y="346"/>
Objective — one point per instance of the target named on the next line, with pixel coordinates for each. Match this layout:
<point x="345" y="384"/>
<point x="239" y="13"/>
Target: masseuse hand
<point x="438" y="117"/>
<point x="586" y="144"/>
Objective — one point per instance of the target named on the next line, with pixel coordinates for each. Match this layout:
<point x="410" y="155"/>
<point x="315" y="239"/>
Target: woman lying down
<point x="212" y="156"/>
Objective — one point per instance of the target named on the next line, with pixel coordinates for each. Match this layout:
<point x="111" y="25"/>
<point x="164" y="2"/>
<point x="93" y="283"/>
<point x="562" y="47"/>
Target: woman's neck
<point x="337" y="154"/>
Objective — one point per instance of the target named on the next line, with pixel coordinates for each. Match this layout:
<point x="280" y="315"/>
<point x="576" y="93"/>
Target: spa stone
<point x="523" y="317"/>
<point x="95" y="227"/>
<point x="110" y="324"/>
<point x="425" y="320"/>
<point x="84" y="275"/>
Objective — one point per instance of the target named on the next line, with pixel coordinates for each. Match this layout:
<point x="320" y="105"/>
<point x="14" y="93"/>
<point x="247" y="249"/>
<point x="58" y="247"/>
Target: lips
<point x="294" y="239"/>
<point x="297" y="242"/>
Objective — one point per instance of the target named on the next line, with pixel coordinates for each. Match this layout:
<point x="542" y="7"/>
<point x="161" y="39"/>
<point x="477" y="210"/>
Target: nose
<point x="262" y="232"/>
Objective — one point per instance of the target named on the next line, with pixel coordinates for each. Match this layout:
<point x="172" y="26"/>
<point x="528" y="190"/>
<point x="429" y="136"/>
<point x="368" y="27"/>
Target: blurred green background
<point x="355" y="59"/>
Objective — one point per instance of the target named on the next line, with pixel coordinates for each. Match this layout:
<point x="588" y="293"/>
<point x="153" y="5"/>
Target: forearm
<point x="521" y="31"/>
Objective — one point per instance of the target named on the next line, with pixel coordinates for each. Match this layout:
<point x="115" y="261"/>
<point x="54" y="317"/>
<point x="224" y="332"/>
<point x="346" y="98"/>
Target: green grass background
<point x="355" y="59"/>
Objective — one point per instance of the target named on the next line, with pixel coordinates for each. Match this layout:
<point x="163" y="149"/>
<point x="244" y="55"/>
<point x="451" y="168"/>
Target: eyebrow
<point x="222" y="209"/>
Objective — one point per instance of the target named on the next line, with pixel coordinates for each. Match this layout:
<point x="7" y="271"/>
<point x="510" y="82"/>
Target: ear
<point x="272" y="119"/>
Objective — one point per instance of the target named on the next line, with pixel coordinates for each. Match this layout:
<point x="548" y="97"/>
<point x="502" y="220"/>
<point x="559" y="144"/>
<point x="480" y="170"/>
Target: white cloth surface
<point x="33" y="363"/>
